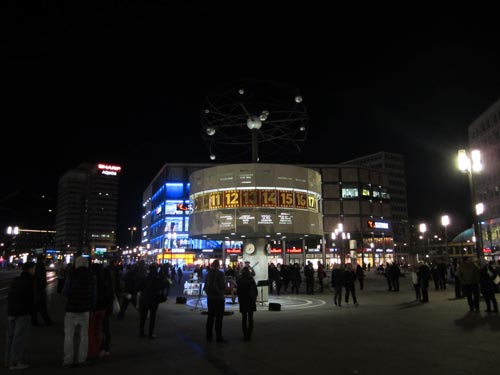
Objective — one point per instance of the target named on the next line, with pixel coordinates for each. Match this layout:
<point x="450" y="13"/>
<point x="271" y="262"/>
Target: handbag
<point x="496" y="280"/>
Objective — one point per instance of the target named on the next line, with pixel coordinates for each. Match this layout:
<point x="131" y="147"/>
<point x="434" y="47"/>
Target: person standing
<point x="247" y="298"/>
<point x="321" y="276"/>
<point x="455" y="266"/>
<point x="349" y="278"/>
<point x="179" y="275"/>
<point x="468" y="273"/>
<point x="337" y="284"/>
<point x="104" y="299"/>
<point x="360" y="276"/>
<point x="20" y="307"/>
<point x="41" y="293"/>
<point x="416" y="285"/>
<point x="488" y="287"/>
<point x="80" y="292"/>
<point x="214" y="288"/>
<point x="424" y="275"/>
<point x="309" y="275"/>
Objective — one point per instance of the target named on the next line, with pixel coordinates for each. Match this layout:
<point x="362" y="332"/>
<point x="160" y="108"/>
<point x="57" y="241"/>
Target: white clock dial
<point x="249" y="248"/>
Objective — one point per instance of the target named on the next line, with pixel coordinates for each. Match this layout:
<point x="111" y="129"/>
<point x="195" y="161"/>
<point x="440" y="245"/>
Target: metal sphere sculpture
<point x="264" y="118"/>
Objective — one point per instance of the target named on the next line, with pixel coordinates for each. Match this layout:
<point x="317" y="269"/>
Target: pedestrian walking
<point x="20" y="308"/>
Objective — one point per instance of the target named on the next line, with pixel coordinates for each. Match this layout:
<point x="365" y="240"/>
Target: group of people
<point x="246" y="289"/>
<point x="344" y="277"/>
<point x="89" y="291"/>
<point x="471" y="280"/>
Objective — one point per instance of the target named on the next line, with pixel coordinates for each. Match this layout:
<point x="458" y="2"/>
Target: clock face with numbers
<point x="249" y="248"/>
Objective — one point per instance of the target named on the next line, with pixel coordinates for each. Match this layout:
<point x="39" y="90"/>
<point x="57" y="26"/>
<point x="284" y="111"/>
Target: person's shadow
<point x="470" y="321"/>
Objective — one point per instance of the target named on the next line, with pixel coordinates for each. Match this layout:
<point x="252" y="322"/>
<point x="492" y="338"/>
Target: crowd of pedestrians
<point x="90" y="289"/>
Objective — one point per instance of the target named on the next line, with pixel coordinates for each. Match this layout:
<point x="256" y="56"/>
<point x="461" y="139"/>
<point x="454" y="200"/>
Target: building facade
<point x="87" y="209"/>
<point x="394" y="166"/>
<point x="356" y="197"/>
<point x="484" y="135"/>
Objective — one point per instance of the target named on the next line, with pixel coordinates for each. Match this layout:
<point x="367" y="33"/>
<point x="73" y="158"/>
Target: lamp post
<point x="341" y="235"/>
<point x="471" y="165"/>
<point x="479" y="212"/>
<point x="132" y="230"/>
<point x="445" y="221"/>
<point x="422" y="229"/>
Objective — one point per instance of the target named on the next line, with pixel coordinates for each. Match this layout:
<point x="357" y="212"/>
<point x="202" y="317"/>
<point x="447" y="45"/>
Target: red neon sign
<point x="233" y="251"/>
<point x="275" y="250"/>
<point x="294" y="250"/>
<point x="109" y="167"/>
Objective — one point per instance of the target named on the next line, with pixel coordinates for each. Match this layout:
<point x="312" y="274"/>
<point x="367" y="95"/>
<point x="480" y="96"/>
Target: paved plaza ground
<point x="388" y="333"/>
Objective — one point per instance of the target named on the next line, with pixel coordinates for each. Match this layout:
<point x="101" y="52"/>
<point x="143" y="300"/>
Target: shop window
<point x="349" y="192"/>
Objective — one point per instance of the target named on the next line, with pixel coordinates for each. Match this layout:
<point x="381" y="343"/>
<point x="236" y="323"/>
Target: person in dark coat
<point x="468" y="273"/>
<point x="247" y="298"/>
<point x="150" y="289"/>
<point x="80" y="292"/>
<point x="424" y="275"/>
<point x="20" y="307"/>
<point x="360" y="276"/>
<point x="337" y="284"/>
<point x="488" y="288"/>
<point x="129" y="289"/>
<point x="295" y="278"/>
<point x="348" y="279"/>
<point x="214" y="288"/>
<point x="41" y="292"/>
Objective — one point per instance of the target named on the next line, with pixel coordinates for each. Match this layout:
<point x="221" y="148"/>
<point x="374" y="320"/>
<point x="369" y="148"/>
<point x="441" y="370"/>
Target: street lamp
<point x="132" y="230"/>
<point x="423" y="228"/>
<point x="479" y="212"/>
<point x="339" y="232"/>
<point x="445" y="221"/>
<point x="471" y="165"/>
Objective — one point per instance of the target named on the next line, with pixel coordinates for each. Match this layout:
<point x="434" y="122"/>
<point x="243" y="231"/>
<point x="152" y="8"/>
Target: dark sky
<point x="125" y="83"/>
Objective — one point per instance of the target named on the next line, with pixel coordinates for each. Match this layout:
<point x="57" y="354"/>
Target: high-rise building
<point x="87" y="208"/>
<point x="394" y="166"/>
<point x="484" y="135"/>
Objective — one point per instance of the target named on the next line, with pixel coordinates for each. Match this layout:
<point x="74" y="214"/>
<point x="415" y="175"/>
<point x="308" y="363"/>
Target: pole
<point x="445" y="241"/>
<point x="475" y="221"/>
<point x="255" y="146"/>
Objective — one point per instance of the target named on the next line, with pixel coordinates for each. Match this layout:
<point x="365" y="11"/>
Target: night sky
<point x="125" y="83"/>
